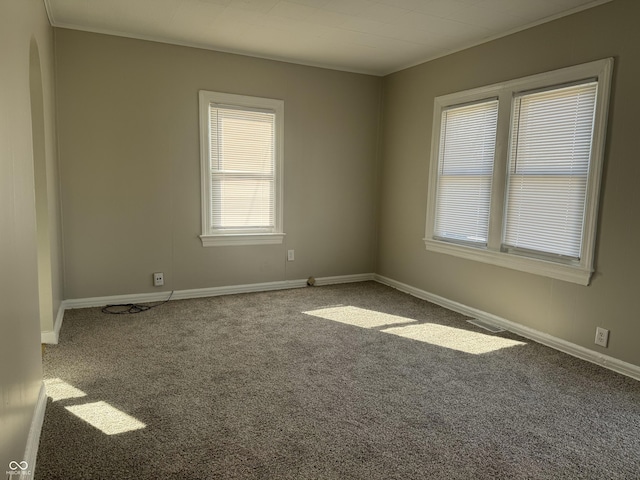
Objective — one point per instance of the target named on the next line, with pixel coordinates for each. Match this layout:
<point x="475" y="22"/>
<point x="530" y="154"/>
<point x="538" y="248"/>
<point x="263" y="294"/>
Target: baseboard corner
<point x="50" y="337"/>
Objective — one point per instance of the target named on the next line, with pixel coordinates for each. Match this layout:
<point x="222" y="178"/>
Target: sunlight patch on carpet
<point x="58" y="390"/>
<point x="440" y="335"/>
<point x="359" y="317"/>
<point x="454" y="338"/>
<point x="106" y="418"/>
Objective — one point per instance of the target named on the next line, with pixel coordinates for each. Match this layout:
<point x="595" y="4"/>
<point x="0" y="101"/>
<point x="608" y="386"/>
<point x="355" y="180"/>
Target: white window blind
<point x="465" y="169"/>
<point x="242" y="156"/>
<point x="551" y="139"/>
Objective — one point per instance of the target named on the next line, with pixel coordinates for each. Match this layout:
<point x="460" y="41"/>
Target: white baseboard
<point x="234" y="289"/>
<point x="210" y="292"/>
<point x="362" y="277"/>
<point x="33" y="440"/>
<point x="578" y="351"/>
<point x="48" y="337"/>
<point x="51" y="337"/>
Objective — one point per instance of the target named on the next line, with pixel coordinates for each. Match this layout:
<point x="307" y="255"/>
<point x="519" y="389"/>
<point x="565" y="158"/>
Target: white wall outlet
<point x="158" y="279"/>
<point x="291" y="255"/>
<point x="602" y="336"/>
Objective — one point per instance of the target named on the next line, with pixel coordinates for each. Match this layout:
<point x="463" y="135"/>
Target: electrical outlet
<point x="602" y="336"/>
<point x="158" y="279"/>
<point x="291" y="255"/>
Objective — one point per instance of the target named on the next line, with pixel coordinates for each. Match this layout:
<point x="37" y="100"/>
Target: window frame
<point x="210" y="236"/>
<point x="575" y="271"/>
<point x="442" y="167"/>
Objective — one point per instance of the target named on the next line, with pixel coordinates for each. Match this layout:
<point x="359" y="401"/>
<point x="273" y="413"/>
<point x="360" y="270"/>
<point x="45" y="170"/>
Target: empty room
<point x="319" y="239"/>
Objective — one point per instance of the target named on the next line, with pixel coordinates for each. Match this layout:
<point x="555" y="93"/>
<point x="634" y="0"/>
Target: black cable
<point x="129" y="308"/>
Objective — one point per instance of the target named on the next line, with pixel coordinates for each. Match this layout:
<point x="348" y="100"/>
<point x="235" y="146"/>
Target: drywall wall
<point x="48" y="215"/>
<point x="26" y="60"/>
<point x="561" y="309"/>
<point x="130" y="166"/>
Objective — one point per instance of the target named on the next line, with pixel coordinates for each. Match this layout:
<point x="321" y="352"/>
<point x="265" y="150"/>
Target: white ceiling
<point x="368" y="36"/>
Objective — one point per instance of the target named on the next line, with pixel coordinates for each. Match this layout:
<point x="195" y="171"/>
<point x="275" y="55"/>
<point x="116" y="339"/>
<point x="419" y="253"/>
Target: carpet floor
<point x="354" y="381"/>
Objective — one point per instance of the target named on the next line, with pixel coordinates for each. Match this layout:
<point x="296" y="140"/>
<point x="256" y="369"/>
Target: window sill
<point x="221" y="240"/>
<point x="569" y="273"/>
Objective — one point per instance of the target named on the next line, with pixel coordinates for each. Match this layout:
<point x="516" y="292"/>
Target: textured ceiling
<point x="368" y="36"/>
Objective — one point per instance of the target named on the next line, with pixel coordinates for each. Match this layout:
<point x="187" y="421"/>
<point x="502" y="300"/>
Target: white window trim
<point x="208" y="238"/>
<point x="576" y="272"/>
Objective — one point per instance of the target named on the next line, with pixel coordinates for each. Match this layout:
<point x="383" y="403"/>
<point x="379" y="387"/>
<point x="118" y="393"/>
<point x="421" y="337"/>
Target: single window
<point x="467" y="147"/>
<point x="241" y="169"/>
<point x="515" y="172"/>
<point x="548" y="169"/>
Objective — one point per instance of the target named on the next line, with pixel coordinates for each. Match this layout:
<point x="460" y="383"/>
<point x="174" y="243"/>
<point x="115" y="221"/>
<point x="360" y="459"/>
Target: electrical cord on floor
<point x="130" y="308"/>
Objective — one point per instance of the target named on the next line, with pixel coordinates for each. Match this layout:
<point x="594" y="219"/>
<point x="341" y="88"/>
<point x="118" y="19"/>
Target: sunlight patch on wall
<point x="359" y="317"/>
<point x="58" y="389"/>
<point x="106" y="418"/>
<point x="454" y="338"/>
<point x="435" y="334"/>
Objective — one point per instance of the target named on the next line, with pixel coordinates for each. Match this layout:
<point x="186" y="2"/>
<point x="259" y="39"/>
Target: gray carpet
<point x="248" y="386"/>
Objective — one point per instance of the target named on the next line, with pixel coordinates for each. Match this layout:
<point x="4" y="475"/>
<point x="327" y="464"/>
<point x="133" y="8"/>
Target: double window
<point x="241" y="155"/>
<point x="515" y="172"/>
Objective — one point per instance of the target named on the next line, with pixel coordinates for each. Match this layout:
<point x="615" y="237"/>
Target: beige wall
<point x="23" y="24"/>
<point x="130" y="166"/>
<point x="564" y="310"/>
<point x="46" y="180"/>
